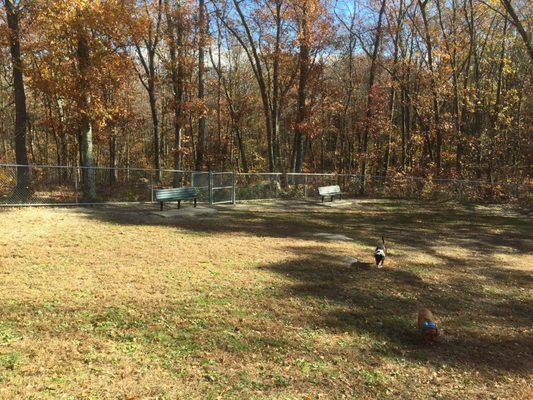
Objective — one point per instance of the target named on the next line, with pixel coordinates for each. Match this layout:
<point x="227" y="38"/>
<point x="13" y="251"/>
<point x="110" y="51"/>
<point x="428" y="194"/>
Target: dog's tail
<point x="383" y="241"/>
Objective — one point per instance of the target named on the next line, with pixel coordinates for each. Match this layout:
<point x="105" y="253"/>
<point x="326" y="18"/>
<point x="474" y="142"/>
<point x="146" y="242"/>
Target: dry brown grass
<point x="120" y="304"/>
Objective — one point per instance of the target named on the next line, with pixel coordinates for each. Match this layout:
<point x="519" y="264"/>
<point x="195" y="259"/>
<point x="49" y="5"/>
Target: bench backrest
<point x="329" y="190"/>
<point x="176" y="193"/>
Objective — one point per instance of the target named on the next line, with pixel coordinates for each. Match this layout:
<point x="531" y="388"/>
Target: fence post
<point x="234" y="191"/>
<point x="76" y="183"/>
<point x="210" y="187"/>
<point x="305" y="186"/>
<point x="152" y="187"/>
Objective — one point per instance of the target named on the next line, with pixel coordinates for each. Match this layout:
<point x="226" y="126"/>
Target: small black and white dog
<point x="379" y="253"/>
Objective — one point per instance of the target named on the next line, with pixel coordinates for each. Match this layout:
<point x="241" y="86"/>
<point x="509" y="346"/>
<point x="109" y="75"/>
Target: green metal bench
<point x="176" y="194"/>
<point x="330" y="191"/>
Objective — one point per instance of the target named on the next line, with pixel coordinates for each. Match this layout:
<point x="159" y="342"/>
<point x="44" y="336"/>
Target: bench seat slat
<point x="329" y="190"/>
<point x="162" y="198"/>
<point x="173" y="196"/>
<point x="176" y="194"/>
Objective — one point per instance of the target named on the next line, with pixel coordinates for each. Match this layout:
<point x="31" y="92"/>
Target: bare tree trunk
<point x="436" y="110"/>
<point x="452" y="51"/>
<point x="147" y="59"/>
<point x="233" y="113"/>
<point x="21" y="116"/>
<point x="251" y="51"/>
<point x="519" y="26"/>
<point x="155" y="120"/>
<point x="276" y="87"/>
<point x="497" y="104"/>
<point x="301" y="113"/>
<point x="200" y="148"/>
<point x="242" y="150"/>
<point x="127" y="156"/>
<point x="86" y="132"/>
<point x="113" y="177"/>
<point x="369" y="103"/>
<point x="178" y="85"/>
<point x="63" y="139"/>
<point x="224" y="154"/>
<point x="392" y="95"/>
<point x="406" y="110"/>
<point x="163" y="144"/>
<point x="476" y="126"/>
<point x="464" y="110"/>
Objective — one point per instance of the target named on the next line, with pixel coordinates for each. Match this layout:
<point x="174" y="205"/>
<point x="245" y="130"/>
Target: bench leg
<point x="179" y="204"/>
<point x="322" y="199"/>
<point x="195" y="202"/>
<point x="161" y="206"/>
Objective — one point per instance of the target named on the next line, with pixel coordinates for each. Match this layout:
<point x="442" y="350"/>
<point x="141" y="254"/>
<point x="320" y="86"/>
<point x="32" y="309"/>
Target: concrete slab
<point x="338" y="203"/>
<point x="186" y="212"/>
<point x="333" y="236"/>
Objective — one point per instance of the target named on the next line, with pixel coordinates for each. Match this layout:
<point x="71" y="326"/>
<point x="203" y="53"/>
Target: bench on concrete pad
<point x="176" y="194"/>
<point x="330" y="191"/>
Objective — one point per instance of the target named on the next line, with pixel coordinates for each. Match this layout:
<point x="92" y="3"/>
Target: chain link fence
<point x="57" y="185"/>
<point x="304" y="186"/>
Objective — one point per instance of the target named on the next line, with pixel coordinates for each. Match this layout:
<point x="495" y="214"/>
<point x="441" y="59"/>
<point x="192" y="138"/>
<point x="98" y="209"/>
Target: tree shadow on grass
<point x="414" y="228"/>
<point x="481" y="330"/>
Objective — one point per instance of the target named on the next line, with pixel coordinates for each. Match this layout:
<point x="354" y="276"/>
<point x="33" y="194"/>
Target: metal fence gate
<point x="215" y="187"/>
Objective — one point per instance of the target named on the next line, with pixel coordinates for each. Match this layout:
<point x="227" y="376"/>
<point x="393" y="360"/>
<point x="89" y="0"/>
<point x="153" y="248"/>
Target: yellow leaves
<point x="54" y="70"/>
<point x="197" y="107"/>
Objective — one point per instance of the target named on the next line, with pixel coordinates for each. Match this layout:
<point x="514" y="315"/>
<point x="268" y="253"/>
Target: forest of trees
<point x="371" y="87"/>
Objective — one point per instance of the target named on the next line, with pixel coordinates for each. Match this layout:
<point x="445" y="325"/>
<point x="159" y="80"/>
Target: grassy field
<point x="249" y="304"/>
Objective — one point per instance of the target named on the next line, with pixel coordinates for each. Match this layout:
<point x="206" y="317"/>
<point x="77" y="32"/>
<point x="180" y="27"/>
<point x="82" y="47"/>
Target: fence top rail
<point x="294" y="174"/>
<point x="97" y="167"/>
<point x="276" y="174"/>
<point x="260" y="173"/>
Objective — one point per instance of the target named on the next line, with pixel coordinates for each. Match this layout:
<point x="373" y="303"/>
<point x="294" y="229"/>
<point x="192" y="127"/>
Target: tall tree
<point x="252" y="50"/>
<point x="433" y="84"/>
<point x="276" y="82"/>
<point x="13" y="12"/>
<point x="370" y="87"/>
<point x="146" y="45"/>
<point x="175" y="38"/>
<point x="202" y="37"/>
<point x="84" y="104"/>
<point x="303" y="67"/>
<point x="517" y="22"/>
